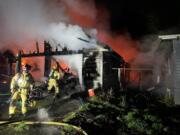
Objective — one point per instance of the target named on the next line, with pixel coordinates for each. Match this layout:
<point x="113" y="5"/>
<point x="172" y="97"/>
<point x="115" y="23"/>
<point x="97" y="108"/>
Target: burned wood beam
<point x="69" y="52"/>
<point x="10" y="70"/>
<point x="47" y="65"/>
<point x="136" y="69"/>
<point x="37" y="47"/>
<point x="18" y="62"/>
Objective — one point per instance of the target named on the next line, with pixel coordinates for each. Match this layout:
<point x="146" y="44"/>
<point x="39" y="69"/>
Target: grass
<point x="122" y="113"/>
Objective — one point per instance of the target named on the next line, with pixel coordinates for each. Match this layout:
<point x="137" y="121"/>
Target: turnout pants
<point x="53" y="83"/>
<point x="23" y="94"/>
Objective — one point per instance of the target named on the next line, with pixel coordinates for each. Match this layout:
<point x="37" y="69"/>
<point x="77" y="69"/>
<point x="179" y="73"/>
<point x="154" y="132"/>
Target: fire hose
<point x="45" y="123"/>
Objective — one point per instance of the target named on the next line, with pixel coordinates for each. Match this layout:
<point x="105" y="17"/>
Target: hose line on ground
<point x="49" y="123"/>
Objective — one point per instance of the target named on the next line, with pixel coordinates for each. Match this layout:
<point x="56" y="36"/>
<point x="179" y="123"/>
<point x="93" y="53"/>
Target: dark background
<point x="142" y="17"/>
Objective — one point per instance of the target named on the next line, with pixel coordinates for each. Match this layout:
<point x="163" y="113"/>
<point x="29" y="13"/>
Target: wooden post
<point x="47" y="52"/>
<point x="37" y="47"/>
<point x="9" y="68"/>
<point x="18" y="62"/>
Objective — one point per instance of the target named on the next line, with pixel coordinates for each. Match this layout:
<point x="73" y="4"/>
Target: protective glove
<point x="12" y="91"/>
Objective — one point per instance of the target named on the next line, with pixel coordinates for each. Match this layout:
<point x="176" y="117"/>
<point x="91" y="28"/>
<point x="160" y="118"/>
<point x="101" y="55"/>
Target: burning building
<point x="101" y="69"/>
<point x="98" y="68"/>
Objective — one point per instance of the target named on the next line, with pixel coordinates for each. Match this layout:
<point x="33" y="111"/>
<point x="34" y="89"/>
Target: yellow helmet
<point x="26" y="67"/>
<point x="55" y="67"/>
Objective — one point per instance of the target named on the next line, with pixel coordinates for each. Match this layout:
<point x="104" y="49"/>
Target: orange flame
<point x="123" y="45"/>
<point x="66" y="67"/>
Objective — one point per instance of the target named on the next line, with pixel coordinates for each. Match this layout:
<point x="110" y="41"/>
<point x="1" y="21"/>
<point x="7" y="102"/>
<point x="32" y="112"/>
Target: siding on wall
<point x="176" y="45"/>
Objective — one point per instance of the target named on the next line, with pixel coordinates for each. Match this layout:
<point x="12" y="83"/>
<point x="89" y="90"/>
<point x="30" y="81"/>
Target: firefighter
<point x="54" y="77"/>
<point x="21" y="85"/>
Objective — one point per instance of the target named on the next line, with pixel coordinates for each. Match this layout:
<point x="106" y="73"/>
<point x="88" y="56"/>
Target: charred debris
<point x="102" y="68"/>
<point x="125" y="112"/>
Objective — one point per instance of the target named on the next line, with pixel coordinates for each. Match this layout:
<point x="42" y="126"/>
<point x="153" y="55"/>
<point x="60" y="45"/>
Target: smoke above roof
<point x="121" y="24"/>
<point x="24" y="21"/>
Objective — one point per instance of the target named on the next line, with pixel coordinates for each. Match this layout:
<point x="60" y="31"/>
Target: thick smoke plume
<point x="23" y="21"/>
<point x="66" y="35"/>
<point x="60" y="22"/>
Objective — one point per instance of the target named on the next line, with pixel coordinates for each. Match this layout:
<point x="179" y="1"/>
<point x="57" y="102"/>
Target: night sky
<point x="142" y="17"/>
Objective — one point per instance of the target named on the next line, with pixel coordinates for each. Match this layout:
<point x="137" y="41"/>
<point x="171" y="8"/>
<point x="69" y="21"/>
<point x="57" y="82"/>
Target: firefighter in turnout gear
<point x="21" y="85"/>
<point x="54" y="77"/>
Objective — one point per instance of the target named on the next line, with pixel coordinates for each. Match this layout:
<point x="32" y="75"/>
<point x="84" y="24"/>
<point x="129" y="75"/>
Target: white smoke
<point x="29" y="20"/>
<point x="42" y="114"/>
<point x="25" y="21"/>
<point x="67" y="35"/>
<point x="21" y="19"/>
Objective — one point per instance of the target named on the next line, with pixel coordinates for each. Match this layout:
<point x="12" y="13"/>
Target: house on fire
<point x="99" y="68"/>
<point x="102" y="68"/>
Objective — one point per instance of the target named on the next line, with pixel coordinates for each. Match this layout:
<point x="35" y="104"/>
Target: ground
<point x="124" y="112"/>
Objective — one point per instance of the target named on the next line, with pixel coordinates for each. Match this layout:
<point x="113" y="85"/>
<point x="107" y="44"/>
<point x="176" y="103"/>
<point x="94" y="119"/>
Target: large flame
<point x="65" y="67"/>
<point x="123" y="45"/>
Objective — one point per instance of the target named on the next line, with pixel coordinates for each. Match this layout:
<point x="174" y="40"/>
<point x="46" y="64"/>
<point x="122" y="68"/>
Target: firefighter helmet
<point x="26" y="67"/>
<point x="55" y="67"/>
